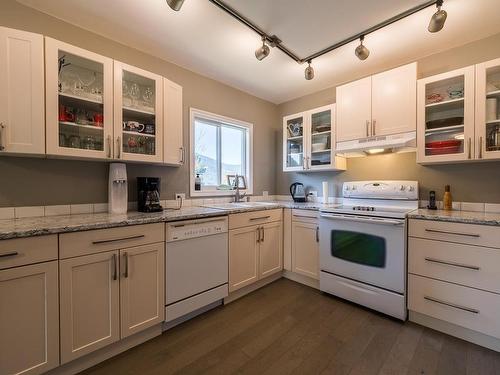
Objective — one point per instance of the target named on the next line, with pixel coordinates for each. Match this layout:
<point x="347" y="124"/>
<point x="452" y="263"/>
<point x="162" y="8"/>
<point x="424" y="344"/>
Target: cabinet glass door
<point x="446" y="116"/>
<point x="294" y="143"/>
<point x="79" y="92"/>
<point x="138" y="104"/>
<point x="488" y="110"/>
<point x="321" y="139"/>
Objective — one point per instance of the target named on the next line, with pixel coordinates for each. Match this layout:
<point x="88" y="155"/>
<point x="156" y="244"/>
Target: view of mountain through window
<point x="220" y="150"/>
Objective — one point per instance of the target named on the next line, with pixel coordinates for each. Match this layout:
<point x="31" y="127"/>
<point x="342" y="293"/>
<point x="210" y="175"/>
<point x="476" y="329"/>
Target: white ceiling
<point x="206" y="40"/>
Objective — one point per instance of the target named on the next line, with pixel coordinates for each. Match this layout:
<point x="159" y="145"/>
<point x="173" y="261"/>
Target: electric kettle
<point x="298" y="192"/>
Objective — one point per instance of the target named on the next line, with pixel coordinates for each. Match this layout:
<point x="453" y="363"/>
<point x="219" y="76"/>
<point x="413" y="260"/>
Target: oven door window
<point x="360" y="248"/>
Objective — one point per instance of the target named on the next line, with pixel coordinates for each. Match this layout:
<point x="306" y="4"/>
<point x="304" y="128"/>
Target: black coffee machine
<point x="148" y="194"/>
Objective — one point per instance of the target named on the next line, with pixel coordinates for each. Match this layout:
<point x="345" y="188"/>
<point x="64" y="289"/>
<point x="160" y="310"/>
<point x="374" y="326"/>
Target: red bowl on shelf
<point x="451" y="146"/>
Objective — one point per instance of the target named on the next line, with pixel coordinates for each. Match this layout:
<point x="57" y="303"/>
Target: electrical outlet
<point x="314" y="193"/>
<point x="265" y="193"/>
<point x="180" y="196"/>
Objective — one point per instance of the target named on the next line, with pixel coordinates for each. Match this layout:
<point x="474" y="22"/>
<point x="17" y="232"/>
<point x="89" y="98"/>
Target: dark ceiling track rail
<point x="276" y="42"/>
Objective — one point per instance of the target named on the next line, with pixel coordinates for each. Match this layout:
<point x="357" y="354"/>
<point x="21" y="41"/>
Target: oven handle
<point x="363" y="219"/>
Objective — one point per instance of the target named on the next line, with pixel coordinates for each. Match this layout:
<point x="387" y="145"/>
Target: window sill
<point x="218" y="193"/>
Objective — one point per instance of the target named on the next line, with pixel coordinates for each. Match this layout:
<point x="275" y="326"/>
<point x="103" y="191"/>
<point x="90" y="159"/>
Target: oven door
<point x="367" y="249"/>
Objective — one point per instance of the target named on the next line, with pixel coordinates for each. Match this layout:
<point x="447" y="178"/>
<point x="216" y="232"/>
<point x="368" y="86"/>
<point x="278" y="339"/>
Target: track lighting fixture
<point x="309" y="72"/>
<point x="175" y="4"/>
<point x="262" y="52"/>
<point x="438" y="19"/>
<point x="361" y="51"/>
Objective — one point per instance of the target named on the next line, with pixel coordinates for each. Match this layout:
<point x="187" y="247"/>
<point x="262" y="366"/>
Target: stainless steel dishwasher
<point x="196" y="266"/>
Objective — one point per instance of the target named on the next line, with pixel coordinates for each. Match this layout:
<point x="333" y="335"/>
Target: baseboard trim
<point x="251" y="288"/>
<point x="313" y="283"/>
<point x="457" y="331"/>
<point x="107" y="352"/>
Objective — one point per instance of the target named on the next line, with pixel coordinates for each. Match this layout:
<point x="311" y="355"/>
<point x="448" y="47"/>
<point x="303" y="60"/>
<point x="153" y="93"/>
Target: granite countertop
<point x="466" y="217"/>
<point x="36" y="226"/>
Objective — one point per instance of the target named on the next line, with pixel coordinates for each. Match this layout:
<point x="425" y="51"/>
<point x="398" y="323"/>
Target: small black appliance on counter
<point x="298" y="192"/>
<point x="148" y="194"/>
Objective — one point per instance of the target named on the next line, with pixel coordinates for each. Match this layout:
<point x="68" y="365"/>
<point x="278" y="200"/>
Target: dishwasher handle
<point x="359" y="219"/>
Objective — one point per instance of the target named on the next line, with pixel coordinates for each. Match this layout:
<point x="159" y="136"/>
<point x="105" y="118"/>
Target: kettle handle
<point x="292" y="189"/>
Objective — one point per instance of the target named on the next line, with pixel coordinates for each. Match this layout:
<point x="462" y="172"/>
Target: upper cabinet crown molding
<point x="22" y="127"/>
<point x="309" y="141"/>
<point x="382" y="104"/>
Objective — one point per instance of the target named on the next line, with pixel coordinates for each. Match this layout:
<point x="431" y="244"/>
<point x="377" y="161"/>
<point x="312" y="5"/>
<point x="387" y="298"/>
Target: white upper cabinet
<point x="22" y="121"/>
<point x="309" y="141"/>
<point x="394" y="101"/>
<point x="354" y="110"/>
<point x="487" y="120"/>
<point x="445" y="117"/>
<point x="382" y="104"/>
<point x="138" y="103"/>
<point x="79" y="99"/>
<point x="173" y="148"/>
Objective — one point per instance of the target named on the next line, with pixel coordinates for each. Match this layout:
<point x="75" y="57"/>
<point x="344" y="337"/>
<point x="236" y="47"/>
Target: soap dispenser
<point x="117" y="188"/>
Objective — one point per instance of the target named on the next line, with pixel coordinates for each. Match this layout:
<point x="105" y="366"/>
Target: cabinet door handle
<point x="373" y="127"/>
<point x="98" y="242"/>
<point x="433" y="260"/>
<point x="9" y="254"/>
<point x="367" y="128"/>
<point x="480" y="147"/>
<point x="2" y="127"/>
<point x="118" y="148"/>
<point x="181" y="149"/>
<point x="441" y="302"/>
<point x="125" y="258"/>
<point x="263" y="234"/>
<point x="304" y="162"/>
<point x="109" y="146"/>
<point x="114" y="265"/>
<point x="258" y="234"/>
<point x="470" y="148"/>
<point x="317" y="234"/>
<point x="453" y="233"/>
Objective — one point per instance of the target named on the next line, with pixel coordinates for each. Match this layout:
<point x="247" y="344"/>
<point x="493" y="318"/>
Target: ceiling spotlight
<point x="309" y="72"/>
<point x="361" y="51"/>
<point x="262" y="52"/>
<point x="175" y="4"/>
<point x="438" y="19"/>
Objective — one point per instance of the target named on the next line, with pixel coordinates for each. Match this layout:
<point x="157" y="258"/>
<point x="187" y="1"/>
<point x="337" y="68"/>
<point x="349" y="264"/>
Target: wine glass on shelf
<point x="134" y="93"/>
<point x="87" y="78"/>
<point x="147" y="96"/>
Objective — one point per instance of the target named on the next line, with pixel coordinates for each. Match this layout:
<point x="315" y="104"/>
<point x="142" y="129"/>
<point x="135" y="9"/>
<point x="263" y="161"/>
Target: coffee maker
<point x="148" y="194"/>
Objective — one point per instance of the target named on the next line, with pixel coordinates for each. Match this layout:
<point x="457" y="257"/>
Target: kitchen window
<point x="220" y="147"/>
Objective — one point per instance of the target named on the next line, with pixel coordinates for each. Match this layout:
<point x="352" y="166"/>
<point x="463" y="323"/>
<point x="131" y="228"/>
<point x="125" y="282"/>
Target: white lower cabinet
<point x="305" y="249"/>
<point x="90" y="298"/>
<point x="255" y="251"/>
<point x="142" y="287"/>
<point x="29" y="319"/>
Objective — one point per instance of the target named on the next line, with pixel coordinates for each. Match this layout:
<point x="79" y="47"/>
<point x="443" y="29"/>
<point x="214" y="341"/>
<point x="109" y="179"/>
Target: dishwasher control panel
<point x="183" y="230"/>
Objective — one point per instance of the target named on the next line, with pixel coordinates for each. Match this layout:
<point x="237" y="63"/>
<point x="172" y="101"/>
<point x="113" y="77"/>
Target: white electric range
<point x="363" y="244"/>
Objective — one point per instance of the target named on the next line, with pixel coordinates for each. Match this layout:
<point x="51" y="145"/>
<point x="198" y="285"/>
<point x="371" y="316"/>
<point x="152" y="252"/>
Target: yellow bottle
<point x="447" y="201"/>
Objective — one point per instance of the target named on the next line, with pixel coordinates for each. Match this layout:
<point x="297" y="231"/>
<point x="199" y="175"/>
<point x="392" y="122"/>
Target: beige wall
<point x="26" y="181"/>
<point x="471" y="182"/>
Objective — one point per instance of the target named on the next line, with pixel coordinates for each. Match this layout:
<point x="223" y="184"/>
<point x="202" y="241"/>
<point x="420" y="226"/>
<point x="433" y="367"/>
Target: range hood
<point x="403" y="142"/>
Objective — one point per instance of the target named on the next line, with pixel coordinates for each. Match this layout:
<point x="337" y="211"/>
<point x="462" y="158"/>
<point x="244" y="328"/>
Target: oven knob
<point x="411" y="188"/>
<point x="353" y="187"/>
<point x="346" y="187"/>
<point x="402" y="187"/>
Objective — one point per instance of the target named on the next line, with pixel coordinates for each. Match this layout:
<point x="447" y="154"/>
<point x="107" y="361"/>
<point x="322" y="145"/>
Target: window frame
<point x="193" y="113"/>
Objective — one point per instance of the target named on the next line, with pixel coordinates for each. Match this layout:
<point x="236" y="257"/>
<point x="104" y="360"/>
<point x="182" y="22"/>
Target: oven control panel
<point x="183" y="230"/>
<point x="406" y="190"/>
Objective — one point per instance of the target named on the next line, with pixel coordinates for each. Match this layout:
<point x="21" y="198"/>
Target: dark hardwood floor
<point x="288" y="328"/>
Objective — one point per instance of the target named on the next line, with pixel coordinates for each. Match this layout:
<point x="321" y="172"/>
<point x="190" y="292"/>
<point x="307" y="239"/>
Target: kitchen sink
<point x="233" y="205"/>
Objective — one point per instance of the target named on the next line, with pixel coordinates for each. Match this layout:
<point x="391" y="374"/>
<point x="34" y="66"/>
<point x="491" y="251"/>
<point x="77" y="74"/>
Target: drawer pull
<point x="263" y="234"/>
<point x="468" y="309"/>
<point x="260" y="218"/>
<point x="11" y="254"/>
<point x="98" y="242"/>
<point x="305" y="216"/>
<point x="453" y="233"/>
<point x="433" y="260"/>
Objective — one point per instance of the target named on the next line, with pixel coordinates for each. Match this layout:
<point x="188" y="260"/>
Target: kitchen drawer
<point x="468" y="265"/>
<point x="305" y="216"/>
<point x="254" y="218"/>
<point x="465" y="307"/>
<point x="100" y="240"/>
<point x="471" y="234"/>
<point x="22" y="251"/>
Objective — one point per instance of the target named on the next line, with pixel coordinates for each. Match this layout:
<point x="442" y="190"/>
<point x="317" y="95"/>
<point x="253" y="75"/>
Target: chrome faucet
<point x="238" y="197"/>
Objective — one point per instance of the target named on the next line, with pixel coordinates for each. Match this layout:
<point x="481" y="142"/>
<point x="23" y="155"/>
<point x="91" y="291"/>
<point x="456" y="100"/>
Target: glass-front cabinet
<point x="309" y="141"/>
<point x="445" y="118"/>
<point x="488" y="110"/>
<point x="79" y="97"/>
<point x="138" y="114"/>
